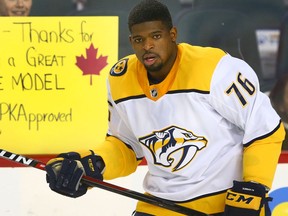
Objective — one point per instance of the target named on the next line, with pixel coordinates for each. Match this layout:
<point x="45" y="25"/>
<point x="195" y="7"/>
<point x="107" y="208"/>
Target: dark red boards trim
<point x="44" y="158"/>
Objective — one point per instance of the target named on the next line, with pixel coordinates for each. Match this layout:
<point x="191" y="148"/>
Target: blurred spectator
<point x="279" y="100"/>
<point x="79" y="4"/>
<point x="15" y="7"/>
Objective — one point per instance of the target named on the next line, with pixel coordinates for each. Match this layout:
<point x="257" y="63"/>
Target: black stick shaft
<point x="107" y="186"/>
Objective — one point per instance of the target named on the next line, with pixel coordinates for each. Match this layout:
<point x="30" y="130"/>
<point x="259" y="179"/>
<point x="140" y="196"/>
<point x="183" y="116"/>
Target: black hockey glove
<point x="65" y="172"/>
<point x="246" y="199"/>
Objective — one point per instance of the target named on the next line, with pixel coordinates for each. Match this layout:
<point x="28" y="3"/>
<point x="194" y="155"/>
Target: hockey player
<point x="210" y="136"/>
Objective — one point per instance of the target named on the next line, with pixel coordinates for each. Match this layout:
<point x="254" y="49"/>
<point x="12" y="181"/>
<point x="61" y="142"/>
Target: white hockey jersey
<point x="192" y="128"/>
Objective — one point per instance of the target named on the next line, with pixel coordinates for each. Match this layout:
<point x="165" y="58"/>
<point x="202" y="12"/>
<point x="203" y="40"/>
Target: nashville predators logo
<point x="173" y="147"/>
<point x="119" y="68"/>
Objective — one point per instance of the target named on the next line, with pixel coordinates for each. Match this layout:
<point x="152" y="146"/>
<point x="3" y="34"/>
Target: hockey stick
<point x="107" y="186"/>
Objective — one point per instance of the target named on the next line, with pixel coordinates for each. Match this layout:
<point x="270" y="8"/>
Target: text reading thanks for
<point x="37" y="66"/>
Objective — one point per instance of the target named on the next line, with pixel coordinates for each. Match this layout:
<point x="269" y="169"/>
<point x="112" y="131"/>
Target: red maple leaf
<point x="91" y="65"/>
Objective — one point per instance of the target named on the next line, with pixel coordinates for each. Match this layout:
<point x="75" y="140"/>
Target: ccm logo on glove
<point x="240" y="200"/>
<point x="247" y="199"/>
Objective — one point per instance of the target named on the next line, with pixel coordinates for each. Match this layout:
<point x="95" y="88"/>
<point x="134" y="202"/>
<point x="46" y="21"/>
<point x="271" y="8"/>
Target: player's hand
<point x="64" y="173"/>
<point x="246" y="198"/>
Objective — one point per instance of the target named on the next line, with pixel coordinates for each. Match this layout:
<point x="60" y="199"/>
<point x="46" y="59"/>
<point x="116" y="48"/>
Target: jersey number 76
<point x="245" y="85"/>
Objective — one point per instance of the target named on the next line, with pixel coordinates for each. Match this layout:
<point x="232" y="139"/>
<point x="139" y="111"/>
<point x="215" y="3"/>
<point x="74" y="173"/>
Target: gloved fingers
<point x="76" y="178"/>
<point x="66" y="173"/>
<point x="50" y="175"/>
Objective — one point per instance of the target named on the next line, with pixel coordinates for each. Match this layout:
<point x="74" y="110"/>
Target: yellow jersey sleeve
<point x="260" y="159"/>
<point x="119" y="159"/>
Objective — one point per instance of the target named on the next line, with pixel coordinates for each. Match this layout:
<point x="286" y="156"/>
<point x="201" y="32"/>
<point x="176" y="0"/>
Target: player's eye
<point x="157" y="36"/>
<point x="138" y="40"/>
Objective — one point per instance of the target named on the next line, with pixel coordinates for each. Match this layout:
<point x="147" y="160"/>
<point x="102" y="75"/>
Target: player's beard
<point x="154" y="67"/>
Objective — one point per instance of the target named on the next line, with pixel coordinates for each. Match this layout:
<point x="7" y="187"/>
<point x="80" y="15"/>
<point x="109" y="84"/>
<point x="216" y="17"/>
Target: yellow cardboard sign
<point x="53" y="74"/>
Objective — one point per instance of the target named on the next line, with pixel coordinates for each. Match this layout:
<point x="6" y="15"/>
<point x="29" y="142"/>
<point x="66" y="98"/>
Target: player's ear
<point x="130" y="38"/>
<point x="173" y="34"/>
